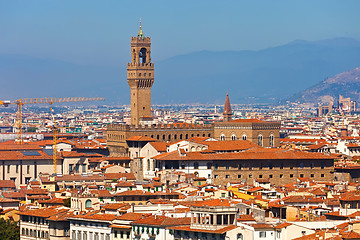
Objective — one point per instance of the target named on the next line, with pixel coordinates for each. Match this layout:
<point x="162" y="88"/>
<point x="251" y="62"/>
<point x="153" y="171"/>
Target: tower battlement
<point x="141" y="40"/>
<point x="123" y="127"/>
<point x="137" y="64"/>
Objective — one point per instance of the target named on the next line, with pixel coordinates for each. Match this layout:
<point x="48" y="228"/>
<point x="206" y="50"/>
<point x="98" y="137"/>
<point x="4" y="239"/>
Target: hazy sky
<point x="98" y="32"/>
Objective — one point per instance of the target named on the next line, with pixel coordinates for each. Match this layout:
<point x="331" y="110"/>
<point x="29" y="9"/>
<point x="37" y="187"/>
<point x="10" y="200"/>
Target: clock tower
<point x="140" y="77"/>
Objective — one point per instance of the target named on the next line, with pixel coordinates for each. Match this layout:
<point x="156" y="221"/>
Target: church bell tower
<point x="140" y="77"/>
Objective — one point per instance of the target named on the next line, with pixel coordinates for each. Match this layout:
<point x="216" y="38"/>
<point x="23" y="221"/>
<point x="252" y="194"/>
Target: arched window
<point x="186" y="136"/>
<point x="222" y="137"/>
<point x="233" y="137"/>
<point x="175" y="136"/>
<point x="271" y="141"/>
<point x="196" y="165"/>
<point x="88" y="203"/>
<point x="169" y="137"/>
<point x="244" y="137"/>
<point x="209" y="165"/>
<point x="142" y="55"/>
<point x="180" y="136"/>
<point x="163" y="137"/>
<point x="260" y="140"/>
<point x="158" y="136"/>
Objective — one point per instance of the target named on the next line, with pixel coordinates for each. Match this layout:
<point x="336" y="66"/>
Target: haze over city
<point x="90" y="42"/>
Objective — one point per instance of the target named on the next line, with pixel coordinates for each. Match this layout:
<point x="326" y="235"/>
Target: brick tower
<point x="227" y="114"/>
<point x="140" y="77"/>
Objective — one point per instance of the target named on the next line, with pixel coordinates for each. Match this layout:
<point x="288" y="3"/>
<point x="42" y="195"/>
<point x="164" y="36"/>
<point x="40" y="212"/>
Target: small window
<point x="301" y="175"/>
<point x="322" y="175"/>
<point x="244" y="137"/>
<point x="222" y="137"/>
<point x="196" y="165"/>
<point x="281" y="176"/>
<point x="312" y="175"/>
<point x="270" y="176"/>
<point x="291" y="175"/>
<point x="239" y="176"/>
<point x="227" y="176"/>
<point x="262" y="234"/>
<point x="260" y="176"/>
<point x="250" y="175"/>
<point x="215" y="176"/>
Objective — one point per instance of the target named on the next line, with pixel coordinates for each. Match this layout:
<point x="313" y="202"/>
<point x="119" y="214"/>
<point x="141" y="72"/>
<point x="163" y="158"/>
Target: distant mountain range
<point x="346" y="84"/>
<point x="204" y="77"/>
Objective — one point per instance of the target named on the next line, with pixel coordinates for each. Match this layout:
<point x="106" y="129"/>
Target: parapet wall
<point x="124" y="127"/>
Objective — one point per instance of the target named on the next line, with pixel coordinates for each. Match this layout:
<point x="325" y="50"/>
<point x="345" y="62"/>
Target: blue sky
<point x="98" y="32"/>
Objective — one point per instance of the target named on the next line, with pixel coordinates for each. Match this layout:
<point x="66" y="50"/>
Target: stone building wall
<point x="277" y="171"/>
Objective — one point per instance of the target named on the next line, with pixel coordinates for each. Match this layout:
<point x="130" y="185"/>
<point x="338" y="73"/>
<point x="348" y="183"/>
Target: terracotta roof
<point x="237" y="145"/>
<point x="42" y="212"/>
<point x="258" y="153"/>
<point x="160" y="146"/>
<point x="7" y="184"/>
<point x="128" y="176"/>
<point x="283" y="225"/>
<point x="8" y="200"/>
<point x="131" y="216"/>
<point x="141" y="139"/>
<point x="95" y="216"/>
<point x="163" y="221"/>
<point x="115" y="206"/>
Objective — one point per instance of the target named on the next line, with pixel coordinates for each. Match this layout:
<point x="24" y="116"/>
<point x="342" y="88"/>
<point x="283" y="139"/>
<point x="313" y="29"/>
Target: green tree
<point x="9" y="230"/>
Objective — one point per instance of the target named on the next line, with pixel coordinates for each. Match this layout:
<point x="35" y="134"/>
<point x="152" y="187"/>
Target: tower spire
<point x="227" y="114"/>
<point x="140" y="34"/>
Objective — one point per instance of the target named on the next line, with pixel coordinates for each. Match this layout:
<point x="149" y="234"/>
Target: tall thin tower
<point x="140" y="77"/>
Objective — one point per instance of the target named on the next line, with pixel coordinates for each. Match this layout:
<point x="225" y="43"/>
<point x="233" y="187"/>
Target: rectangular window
<point x="215" y="176"/>
<point x="27" y="180"/>
<point x="301" y="175"/>
<point x="13" y="179"/>
<point x="312" y="175"/>
<point x="84" y="168"/>
<point x="262" y="234"/>
<point x="239" y="176"/>
<point x="322" y="175"/>
<point x="281" y="175"/>
<point x="260" y="176"/>
<point x="28" y="169"/>
<point x="71" y="168"/>
<point x="77" y="168"/>
<point x="291" y="175"/>
<point x="8" y="169"/>
<point x="227" y="176"/>
<point x="270" y="176"/>
<point x="17" y="168"/>
<point x="250" y="176"/>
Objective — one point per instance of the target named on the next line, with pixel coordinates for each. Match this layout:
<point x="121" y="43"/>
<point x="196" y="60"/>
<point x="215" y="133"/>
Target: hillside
<point x="346" y="84"/>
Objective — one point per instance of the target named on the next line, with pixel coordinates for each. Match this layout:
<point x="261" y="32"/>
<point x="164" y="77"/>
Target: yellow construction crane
<point x="23" y="101"/>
